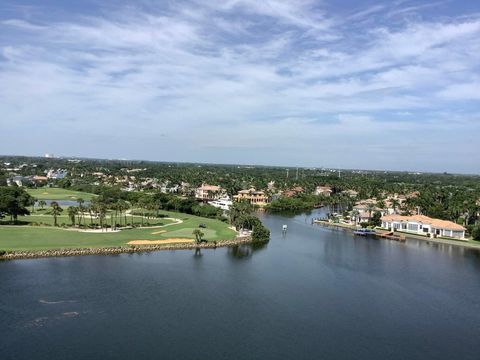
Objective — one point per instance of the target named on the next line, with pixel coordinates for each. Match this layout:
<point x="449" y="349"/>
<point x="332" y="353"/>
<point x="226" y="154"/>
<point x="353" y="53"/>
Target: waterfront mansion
<point x="253" y="196"/>
<point x="423" y="225"/>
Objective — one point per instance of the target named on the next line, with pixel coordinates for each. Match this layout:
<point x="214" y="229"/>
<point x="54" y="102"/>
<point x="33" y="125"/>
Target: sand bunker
<point x="159" y="232"/>
<point x="159" y="242"/>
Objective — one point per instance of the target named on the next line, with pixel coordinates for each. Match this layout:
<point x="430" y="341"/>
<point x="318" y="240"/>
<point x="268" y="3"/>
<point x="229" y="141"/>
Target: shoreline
<point x="38" y="254"/>
<point x="459" y="243"/>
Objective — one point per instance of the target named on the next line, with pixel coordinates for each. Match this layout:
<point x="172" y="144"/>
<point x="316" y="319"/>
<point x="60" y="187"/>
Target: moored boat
<point x="364" y="232"/>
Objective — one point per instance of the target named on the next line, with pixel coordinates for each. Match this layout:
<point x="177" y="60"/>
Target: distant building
<point x="167" y="188"/>
<point x="209" y="192"/>
<point x="39" y="179"/>
<point x="19" y="181"/>
<point x="293" y="191"/>
<point x="57" y="174"/>
<point x="351" y="193"/>
<point x="253" y="196"/>
<point x="323" y="190"/>
<point x="423" y="225"/>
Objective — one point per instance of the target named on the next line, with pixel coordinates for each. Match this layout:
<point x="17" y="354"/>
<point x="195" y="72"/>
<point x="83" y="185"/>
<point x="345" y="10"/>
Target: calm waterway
<point x="315" y="293"/>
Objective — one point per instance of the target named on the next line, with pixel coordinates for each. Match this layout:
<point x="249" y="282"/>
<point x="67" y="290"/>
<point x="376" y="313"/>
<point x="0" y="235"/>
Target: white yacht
<point x="223" y="203"/>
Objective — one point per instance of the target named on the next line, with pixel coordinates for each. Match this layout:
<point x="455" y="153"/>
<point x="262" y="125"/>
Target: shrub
<point x="476" y="232"/>
<point x="260" y="234"/>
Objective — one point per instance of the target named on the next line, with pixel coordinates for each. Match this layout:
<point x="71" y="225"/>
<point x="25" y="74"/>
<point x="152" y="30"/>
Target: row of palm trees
<point x="96" y="210"/>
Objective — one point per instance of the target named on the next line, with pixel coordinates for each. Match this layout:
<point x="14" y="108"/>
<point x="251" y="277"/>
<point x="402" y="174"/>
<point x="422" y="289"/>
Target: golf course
<point x="59" y="194"/>
<point x="177" y="227"/>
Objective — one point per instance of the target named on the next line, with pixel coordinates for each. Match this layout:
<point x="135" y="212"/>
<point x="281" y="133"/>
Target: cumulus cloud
<point x="295" y="79"/>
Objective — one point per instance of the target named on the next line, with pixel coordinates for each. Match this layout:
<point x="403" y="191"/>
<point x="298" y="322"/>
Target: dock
<point x="391" y="236"/>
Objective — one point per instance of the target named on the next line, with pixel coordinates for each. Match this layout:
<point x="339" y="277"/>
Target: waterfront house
<point x="323" y="190"/>
<point x="423" y="225"/>
<point x="364" y="210"/>
<point x="208" y="192"/>
<point x="253" y="196"/>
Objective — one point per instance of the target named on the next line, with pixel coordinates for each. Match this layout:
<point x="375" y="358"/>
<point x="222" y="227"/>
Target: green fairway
<point x="59" y="194"/>
<point x="43" y="238"/>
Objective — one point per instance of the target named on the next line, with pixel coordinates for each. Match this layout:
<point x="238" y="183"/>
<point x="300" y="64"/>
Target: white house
<point x="423" y="225"/>
<point x="57" y="174"/>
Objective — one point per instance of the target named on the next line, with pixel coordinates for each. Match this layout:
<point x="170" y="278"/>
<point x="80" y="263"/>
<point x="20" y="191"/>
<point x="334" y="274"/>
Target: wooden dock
<point x="391" y="236"/>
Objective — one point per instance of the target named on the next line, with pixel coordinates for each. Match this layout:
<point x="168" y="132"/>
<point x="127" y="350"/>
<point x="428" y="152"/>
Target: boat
<point x="364" y="232"/>
<point x="223" y="203"/>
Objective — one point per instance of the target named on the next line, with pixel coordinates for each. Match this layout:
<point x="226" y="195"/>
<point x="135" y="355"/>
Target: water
<point x="62" y="203"/>
<point x="315" y="293"/>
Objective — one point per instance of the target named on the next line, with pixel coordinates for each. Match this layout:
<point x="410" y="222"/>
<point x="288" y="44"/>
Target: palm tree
<point x="56" y="210"/>
<point x="355" y="214"/>
<point x="102" y="212"/>
<point x="122" y="206"/>
<point x="370" y="207"/>
<point x="42" y="204"/>
<point x="80" y="203"/>
<point x="381" y="204"/>
<point x="72" y="211"/>
<point x="198" y="235"/>
<point x="395" y="204"/>
<point x="90" y="212"/>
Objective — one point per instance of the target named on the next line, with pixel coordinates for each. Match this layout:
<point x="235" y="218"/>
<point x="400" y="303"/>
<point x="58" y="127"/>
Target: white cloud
<point x="264" y="71"/>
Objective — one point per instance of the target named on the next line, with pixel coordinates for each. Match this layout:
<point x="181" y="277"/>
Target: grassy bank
<point x="16" y="238"/>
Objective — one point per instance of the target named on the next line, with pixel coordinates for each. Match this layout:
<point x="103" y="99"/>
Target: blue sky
<point x="346" y="84"/>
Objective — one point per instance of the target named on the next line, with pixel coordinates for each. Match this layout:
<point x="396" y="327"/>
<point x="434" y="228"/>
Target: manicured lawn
<point x="59" y="194"/>
<point x="42" y="238"/>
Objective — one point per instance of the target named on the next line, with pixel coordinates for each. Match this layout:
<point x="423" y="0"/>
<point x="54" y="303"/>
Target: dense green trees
<point x="376" y="219"/>
<point x="476" y="232"/>
<point x="14" y="201"/>
<point x="241" y="217"/>
<point x="260" y="234"/>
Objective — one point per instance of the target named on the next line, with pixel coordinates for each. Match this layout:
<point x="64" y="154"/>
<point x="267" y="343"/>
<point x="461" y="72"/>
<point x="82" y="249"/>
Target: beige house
<point x="423" y="225"/>
<point x="209" y="192"/>
<point x="253" y="196"/>
<point x="323" y="190"/>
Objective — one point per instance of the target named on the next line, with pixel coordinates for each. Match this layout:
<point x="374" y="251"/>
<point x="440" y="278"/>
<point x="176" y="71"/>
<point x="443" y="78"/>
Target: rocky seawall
<point x="128" y="249"/>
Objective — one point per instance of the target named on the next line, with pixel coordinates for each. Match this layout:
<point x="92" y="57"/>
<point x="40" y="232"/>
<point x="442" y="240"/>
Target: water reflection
<point x="245" y="251"/>
<point x="197" y="253"/>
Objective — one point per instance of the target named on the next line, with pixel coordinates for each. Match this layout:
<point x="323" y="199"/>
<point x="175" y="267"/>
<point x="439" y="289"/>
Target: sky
<point x="389" y="85"/>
